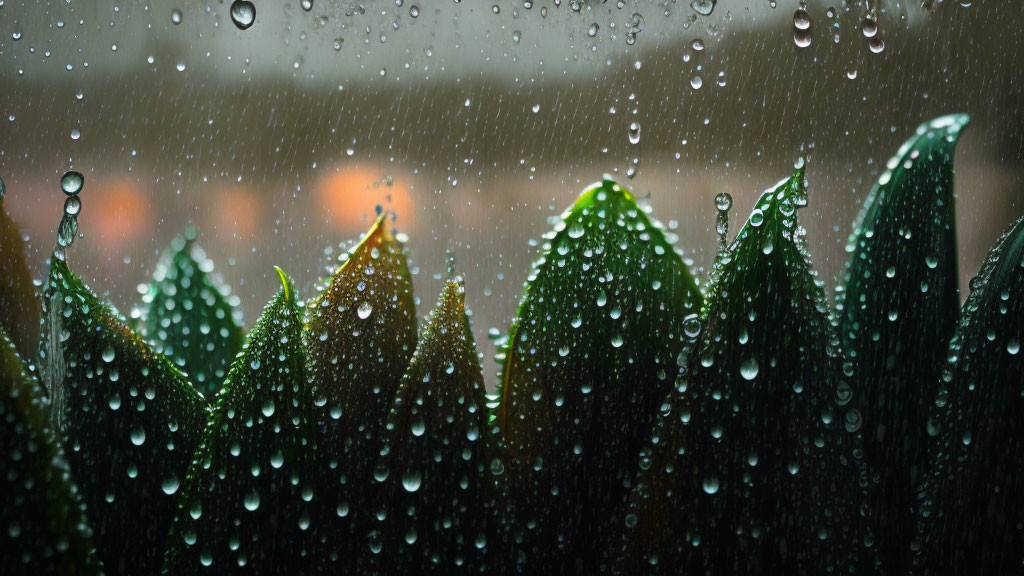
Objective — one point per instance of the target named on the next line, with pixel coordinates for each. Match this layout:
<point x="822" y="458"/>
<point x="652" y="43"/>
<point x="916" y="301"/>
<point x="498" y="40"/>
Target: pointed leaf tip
<point x="897" y="312"/>
<point x="128" y="420"/>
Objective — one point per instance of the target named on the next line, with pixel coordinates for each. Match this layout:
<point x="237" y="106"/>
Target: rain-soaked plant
<point x="642" y="424"/>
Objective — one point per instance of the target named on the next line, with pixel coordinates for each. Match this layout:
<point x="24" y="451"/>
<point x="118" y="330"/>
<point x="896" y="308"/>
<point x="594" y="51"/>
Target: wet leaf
<point x="589" y="359"/>
<point x="897" y="312"/>
<point x="42" y="522"/>
<point x="128" y="422"/>
<point x="435" y="480"/>
<point x="245" y="506"/>
<point x="971" y="509"/>
<point x="19" y="307"/>
<point x="750" y="468"/>
<point x="360" y="333"/>
<point x="188" y="316"/>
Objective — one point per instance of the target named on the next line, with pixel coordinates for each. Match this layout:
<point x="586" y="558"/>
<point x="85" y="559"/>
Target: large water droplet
<point x="252" y="501"/>
<point x="703" y="7"/>
<point x="176" y="16"/>
<point x="243" y="14"/>
<point x="364" y="310"/>
<point x="634" y="132"/>
<point x="71" y="182"/>
<point x="411" y="481"/>
<point x="170" y="485"/>
<point x="749" y="368"/>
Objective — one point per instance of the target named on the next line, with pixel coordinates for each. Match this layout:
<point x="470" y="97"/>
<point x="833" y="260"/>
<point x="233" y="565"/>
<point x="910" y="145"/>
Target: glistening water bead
<point x="71" y="182"/>
<point x="243" y="14"/>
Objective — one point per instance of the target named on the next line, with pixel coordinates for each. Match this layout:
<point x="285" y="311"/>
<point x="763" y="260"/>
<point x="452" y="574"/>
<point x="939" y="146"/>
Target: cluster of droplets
<point x="71" y="184"/>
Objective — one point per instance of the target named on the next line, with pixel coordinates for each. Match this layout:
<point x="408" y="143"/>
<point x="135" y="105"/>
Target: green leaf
<point x="19" y="307"/>
<point x="589" y="359"/>
<point x="751" y="468"/>
<point x="897" y="312"/>
<point x="360" y="333"/>
<point x="434" y="479"/>
<point x="127" y="419"/>
<point x="972" y="509"/>
<point x="245" y="507"/>
<point x="42" y="523"/>
<point x="188" y="316"/>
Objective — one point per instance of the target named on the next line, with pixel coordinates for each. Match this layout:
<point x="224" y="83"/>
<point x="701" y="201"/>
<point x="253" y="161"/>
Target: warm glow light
<point x="117" y="213"/>
<point x="236" y="214"/>
<point x="350" y="195"/>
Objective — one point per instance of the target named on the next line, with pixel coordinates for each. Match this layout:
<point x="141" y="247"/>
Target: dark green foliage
<point x="971" y="518"/>
<point x="188" y="316"/>
<point x="589" y="359"/>
<point x="897" y="313"/>
<point x="42" y="525"/>
<point x="434" y="477"/>
<point x="245" y="507"/>
<point x="360" y="333"/>
<point x="128" y="422"/>
<point x="19" y="306"/>
<point x="751" y="468"/>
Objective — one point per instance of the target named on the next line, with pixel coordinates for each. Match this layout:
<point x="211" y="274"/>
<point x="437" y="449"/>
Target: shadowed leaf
<point x="971" y="518"/>
<point x="187" y="315"/>
<point x="42" y="524"/>
<point x="360" y="333"/>
<point x="897" y="312"/>
<point x="128" y="422"/>
<point x="19" y="307"/>
<point x="434" y="478"/>
<point x="588" y="361"/>
<point x="750" y="468"/>
<point x="245" y="507"/>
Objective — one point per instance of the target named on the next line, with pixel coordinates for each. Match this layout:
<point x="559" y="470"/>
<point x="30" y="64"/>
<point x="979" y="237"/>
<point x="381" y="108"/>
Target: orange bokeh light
<point x="236" y="213"/>
<point x="349" y="196"/>
<point x="117" y="212"/>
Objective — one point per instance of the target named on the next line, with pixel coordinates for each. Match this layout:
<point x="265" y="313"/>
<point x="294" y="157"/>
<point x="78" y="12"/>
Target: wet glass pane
<point x="552" y="286"/>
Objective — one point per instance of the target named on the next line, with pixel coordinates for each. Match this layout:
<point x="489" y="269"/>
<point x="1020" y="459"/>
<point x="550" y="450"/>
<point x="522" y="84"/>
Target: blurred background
<point x="477" y="122"/>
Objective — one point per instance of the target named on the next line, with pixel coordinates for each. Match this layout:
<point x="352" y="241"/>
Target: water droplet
<point x="243" y="14"/>
<point x="138" y="436"/>
<point x="418" y="426"/>
<point x="852" y="420"/>
<point x="176" y="16"/>
<point x="108" y="354"/>
<point x="703" y="7"/>
<point x="364" y="310"/>
<point x="414" y="11"/>
<point x="711" y="485"/>
<point x="593" y="29"/>
<point x="72" y="205"/>
<point x="869" y="27"/>
<point x="876" y="44"/>
<point x="691" y="326"/>
<point x="411" y="481"/>
<point x="516" y="36"/>
<point x="252" y="501"/>
<point x="71" y="182"/>
<point x="756" y="217"/>
<point x="307" y="5"/>
<point x="634" y="132"/>
<point x="801" y="20"/>
<point x="1013" y="346"/>
<point x="696" y="82"/>
<point x="749" y="368"/>
<point x="697" y="45"/>
<point x="170" y="485"/>
<point x="723" y="202"/>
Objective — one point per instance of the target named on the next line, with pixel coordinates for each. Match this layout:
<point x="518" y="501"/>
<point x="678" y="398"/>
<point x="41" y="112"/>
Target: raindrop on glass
<point x="243" y="14"/>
